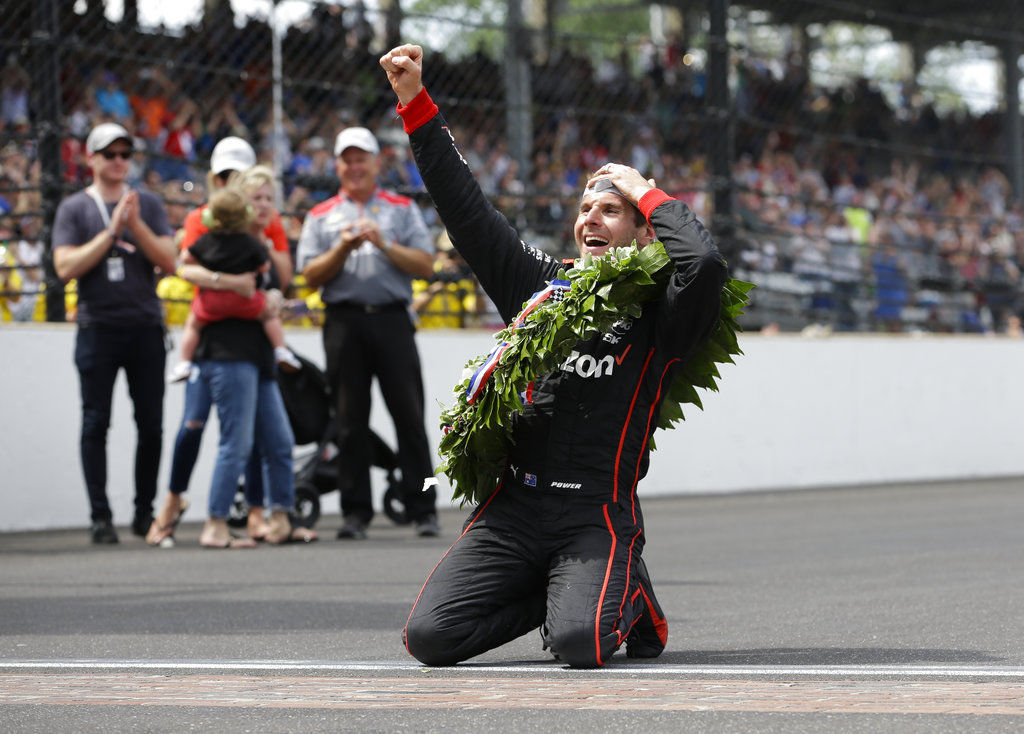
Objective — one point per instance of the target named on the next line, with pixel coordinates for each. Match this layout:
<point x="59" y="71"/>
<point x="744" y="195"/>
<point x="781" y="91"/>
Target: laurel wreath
<point x="603" y="290"/>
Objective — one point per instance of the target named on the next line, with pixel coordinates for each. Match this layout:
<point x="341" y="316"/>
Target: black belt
<point x="367" y="308"/>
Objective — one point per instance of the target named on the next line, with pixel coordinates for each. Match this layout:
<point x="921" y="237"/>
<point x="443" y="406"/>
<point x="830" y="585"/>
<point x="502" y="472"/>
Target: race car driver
<point x="558" y="544"/>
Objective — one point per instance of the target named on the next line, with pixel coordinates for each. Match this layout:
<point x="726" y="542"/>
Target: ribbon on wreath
<point x="554" y="290"/>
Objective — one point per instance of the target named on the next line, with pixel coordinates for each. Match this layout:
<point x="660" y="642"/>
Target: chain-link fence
<point x="857" y="163"/>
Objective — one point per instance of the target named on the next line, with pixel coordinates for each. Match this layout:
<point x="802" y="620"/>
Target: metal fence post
<point x="517" y="89"/>
<point x="722" y="122"/>
<point x="46" y="90"/>
<point x="1014" y="128"/>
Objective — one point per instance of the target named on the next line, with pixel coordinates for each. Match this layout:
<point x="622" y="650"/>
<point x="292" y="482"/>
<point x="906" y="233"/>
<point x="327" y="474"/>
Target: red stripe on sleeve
<point x="418" y="112"/>
<point x="651" y="201"/>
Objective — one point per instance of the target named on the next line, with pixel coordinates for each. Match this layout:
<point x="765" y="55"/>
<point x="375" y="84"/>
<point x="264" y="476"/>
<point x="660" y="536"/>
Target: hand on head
<point x="404" y="67"/>
<point x="628" y="180"/>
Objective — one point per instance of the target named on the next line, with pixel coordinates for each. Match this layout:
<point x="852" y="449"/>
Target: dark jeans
<point x="100" y="352"/>
<point x="358" y="347"/>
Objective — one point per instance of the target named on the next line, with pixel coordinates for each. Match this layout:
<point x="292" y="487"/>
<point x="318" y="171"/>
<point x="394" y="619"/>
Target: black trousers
<point x="528" y="559"/>
<point x="100" y="352"/>
<point x="360" y="345"/>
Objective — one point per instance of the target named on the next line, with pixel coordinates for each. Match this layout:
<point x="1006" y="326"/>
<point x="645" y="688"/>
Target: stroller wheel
<point x="394" y="508"/>
<point x="238" y="515"/>
<point x="307" y="505"/>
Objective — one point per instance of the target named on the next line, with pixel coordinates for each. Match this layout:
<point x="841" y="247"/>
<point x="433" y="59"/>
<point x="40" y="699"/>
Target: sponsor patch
<point x="585" y="365"/>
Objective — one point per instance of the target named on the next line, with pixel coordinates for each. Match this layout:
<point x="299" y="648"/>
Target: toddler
<point x="229" y="247"/>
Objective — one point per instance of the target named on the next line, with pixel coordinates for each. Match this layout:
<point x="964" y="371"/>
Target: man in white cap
<point x="113" y="239"/>
<point x="362" y="248"/>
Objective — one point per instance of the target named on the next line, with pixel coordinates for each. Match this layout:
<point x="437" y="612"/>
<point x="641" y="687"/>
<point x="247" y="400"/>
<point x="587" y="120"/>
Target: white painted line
<point x="641" y="669"/>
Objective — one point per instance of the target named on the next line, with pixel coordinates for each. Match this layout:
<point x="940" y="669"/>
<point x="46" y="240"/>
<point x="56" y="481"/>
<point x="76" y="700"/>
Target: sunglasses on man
<point x="112" y="154"/>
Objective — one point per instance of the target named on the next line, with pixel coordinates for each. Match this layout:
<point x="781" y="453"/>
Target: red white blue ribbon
<point x="483" y="373"/>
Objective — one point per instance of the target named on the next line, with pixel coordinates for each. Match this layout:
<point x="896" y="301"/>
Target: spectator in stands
<point x="140" y="175"/>
<point x="81" y="116"/>
<point x="847" y="269"/>
<point x="772" y="91"/>
<point x="15" y="303"/>
<point x="361" y="248"/>
<point x="176" y="195"/>
<point x="28" y="254"/>
<point x="76" y="171"/>
<point x="811" y="255"/>
<point x="890" y="284"/>
<point x="112" y="100"/>
<point x="1001" y="286"/>
<point x="151" y="102"/>
<point x="320" y="157"/>
<point x="178" y="142"/>
<point x="302" y="161"/>
<point x="14" y="168"/>
<point x="14" y="110"/>
<point x="449" y="298"/>
<point x="113" y="240"/>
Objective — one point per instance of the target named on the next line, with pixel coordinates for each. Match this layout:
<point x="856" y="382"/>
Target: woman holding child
<point x="232" y="337"/>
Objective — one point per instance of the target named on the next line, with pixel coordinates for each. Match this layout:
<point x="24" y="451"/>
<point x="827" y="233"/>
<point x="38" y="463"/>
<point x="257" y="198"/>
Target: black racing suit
<point x="557" y="544"/>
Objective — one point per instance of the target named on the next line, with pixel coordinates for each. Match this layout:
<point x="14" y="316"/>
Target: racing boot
<point x="649" y="634"/>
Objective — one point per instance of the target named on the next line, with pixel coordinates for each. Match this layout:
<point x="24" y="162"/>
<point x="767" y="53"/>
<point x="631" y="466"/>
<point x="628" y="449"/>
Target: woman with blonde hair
<point x="230" y="247"/>
<point x="231" y="158"/>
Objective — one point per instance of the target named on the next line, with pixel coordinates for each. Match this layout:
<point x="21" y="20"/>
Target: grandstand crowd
<point x="851" y="213"/>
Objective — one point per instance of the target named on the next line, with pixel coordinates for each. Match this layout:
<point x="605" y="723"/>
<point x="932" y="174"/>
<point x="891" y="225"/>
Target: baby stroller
<point x="307" y="402"/>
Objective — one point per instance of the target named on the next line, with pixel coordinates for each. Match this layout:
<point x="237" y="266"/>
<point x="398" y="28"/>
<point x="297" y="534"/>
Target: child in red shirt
<point x="228" y="247"/>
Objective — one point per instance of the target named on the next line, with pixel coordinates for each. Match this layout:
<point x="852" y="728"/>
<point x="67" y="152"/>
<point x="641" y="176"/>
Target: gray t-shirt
<point x="113" y="293"/>
<point x="368" y="277"/>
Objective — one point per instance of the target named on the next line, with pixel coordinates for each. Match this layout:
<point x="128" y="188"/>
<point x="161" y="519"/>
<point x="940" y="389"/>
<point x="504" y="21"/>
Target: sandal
<point x="159" y="534"/>
<point x="232" y="543"/>
<point x="281" y="531"/>
<point x="256" y="526"/>
<point x="302" y="535"/>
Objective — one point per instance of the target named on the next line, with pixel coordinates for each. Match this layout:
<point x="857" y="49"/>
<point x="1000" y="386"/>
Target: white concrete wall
<point x="792" y="413"/>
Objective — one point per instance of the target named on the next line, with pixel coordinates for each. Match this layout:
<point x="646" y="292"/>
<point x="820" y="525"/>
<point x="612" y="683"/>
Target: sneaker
<point x="352" y="529"/>
<point x="650" y="630"/>
<point x="286" y="359"/>
<point x="141" y="523"/>
<point x="103" y="532"/>
<point x="180" y="372"/>
<point x="428" y="527"/>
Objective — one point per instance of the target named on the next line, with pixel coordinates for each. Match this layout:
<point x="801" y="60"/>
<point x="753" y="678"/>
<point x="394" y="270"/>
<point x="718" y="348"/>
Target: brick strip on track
<point x="472" y="692"/>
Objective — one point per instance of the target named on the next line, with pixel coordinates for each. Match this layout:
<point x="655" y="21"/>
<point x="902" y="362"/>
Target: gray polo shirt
<point x="369" y="277"/>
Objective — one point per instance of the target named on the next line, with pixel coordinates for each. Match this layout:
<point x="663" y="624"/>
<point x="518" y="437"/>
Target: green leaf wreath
<point x="603" y="290"/>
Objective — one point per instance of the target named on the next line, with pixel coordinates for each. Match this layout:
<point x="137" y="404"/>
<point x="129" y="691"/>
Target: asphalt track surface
<point x="842" y="610"/>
